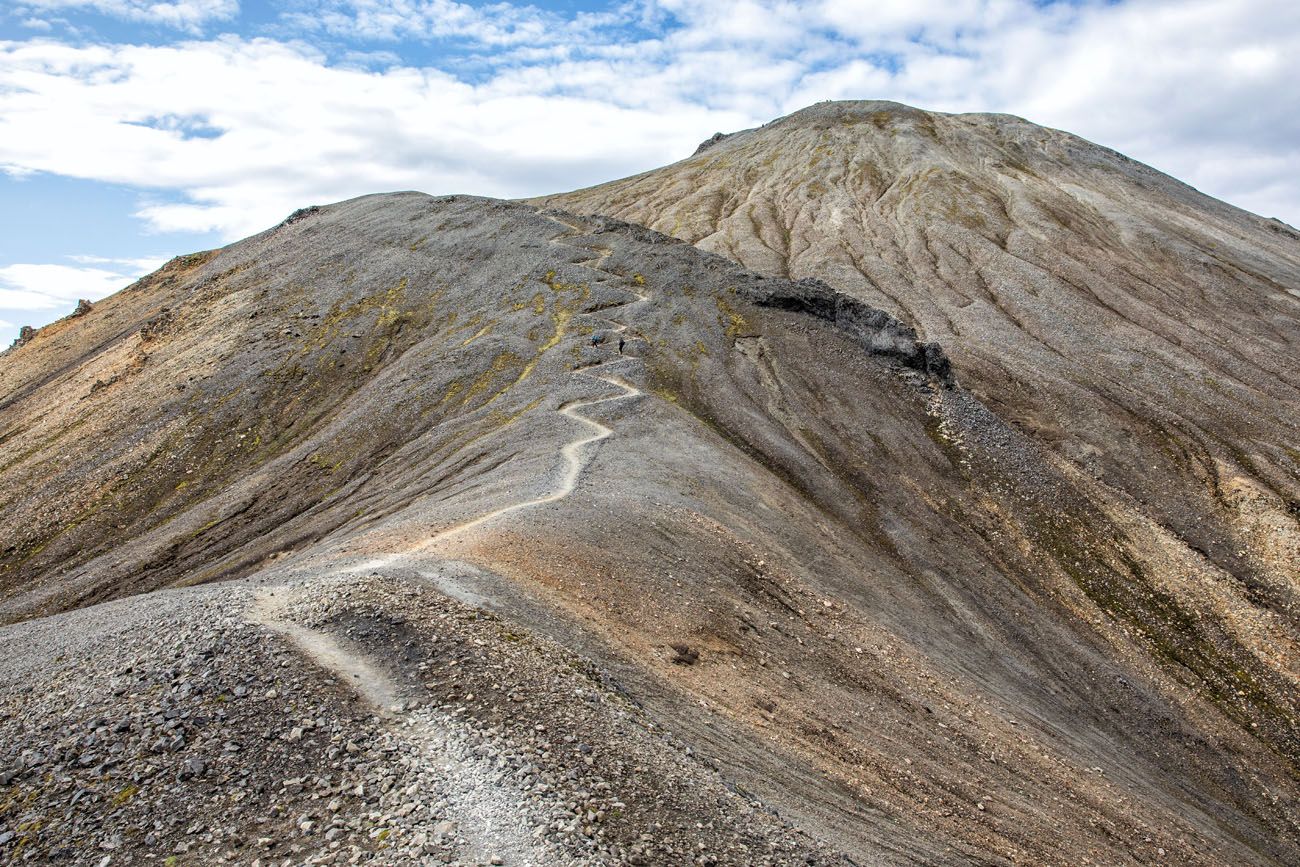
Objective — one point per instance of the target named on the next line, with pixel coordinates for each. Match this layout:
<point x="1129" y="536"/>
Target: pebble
<point x="321" y="778"/>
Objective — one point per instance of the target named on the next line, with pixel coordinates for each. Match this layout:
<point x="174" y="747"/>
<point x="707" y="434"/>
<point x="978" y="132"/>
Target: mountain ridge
<point x="587" y="500"/>
<point x="1045" y="266"/>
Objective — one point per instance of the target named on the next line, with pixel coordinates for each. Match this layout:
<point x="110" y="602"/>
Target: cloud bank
<point x="45" y="287"/>
<point x="234" y="125"/>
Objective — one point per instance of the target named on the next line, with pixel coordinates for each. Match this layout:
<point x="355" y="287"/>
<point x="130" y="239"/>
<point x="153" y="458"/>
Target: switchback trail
<point x="576" y="453"/>
<point x="483" y="811"/>
<point x="353" y="669"/>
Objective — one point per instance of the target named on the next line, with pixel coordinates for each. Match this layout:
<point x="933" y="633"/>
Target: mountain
<point x="454" y="528"/>
<point x="1140" y="330"/>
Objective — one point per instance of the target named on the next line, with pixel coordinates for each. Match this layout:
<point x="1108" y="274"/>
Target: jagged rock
<point x="710" y="142"/>
<point x="157" y="325"/>
<point x="873" y="329"/>
<point x="684" y="654"/>
<point x="25" y="335"/>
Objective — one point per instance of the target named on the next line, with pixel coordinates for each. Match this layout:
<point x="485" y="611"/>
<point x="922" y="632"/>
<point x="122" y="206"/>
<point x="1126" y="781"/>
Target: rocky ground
<point x="422" y="528"/>
<point x="362" y="720"/>
<point x="1141" y="330"/>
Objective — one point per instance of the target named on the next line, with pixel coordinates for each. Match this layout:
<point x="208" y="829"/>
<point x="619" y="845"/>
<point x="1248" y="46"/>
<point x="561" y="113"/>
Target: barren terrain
<point x="457" y="530"/>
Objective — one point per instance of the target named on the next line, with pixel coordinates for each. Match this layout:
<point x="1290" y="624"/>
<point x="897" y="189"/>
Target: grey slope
<point x="777" y="530"/>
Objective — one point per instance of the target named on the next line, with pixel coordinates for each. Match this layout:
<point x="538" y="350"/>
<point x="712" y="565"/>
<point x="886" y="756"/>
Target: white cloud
<point x="248" y="129"/>
<point x="44" y="287"/>
<point x="494" y="24"/>
<point x="17" y="172"/>
<point x="298" y="131"/>
<point x="181" y="14"/>
<point x="137" y="266"/>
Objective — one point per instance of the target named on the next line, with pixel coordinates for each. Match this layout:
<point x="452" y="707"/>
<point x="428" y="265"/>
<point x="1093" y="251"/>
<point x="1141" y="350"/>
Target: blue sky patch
<point x="134" y="130"/>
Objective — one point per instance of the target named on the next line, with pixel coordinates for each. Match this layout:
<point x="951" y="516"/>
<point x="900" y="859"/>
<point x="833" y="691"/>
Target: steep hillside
<point x="1143" y="331"/>
<point x="517" y="509"/>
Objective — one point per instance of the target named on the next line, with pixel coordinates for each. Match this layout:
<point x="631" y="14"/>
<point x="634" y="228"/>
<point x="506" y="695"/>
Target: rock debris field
<point x="205" y="735"/>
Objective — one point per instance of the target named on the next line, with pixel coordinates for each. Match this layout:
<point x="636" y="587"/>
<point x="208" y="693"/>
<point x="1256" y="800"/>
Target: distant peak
<point x="851" y="110"/>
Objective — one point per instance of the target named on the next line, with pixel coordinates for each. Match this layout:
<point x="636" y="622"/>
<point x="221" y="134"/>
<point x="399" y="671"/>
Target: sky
<point x="135" y="130"/>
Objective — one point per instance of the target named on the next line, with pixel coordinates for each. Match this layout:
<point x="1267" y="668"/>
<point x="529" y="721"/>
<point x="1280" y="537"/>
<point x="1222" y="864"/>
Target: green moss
<point x="124" y="795"/>
<point x="878" y="119"/>
<point x="453" y="388"/>
<point x="1174" y="634"/>
<point x="45" y="442"/>
<point x="934" y="431"/>
<point x="319" y="459"/>
<point x="486" y="329"/>
<point x="205" y="528"/>
<point x="730" y="318"/>
<point x="500" y="364"/>
<point x="499" y="419"/>
<point x="385" y="306"/>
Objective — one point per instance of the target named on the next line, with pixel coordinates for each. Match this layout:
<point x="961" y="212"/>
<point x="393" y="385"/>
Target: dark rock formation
<point x="873" y="329"/>
<point x="25" y="334"/>
<point x="710" y="142"/>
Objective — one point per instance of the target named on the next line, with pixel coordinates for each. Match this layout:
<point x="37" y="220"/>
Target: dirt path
<point x="372" y="684"/>
<point x="577" y="453"/>
<point x="574" y="454"/>
<point x="483" y="813"/>
<point x="487" y="815"/>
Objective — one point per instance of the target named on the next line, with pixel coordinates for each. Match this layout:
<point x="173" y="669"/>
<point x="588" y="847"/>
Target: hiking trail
<point x="575" y="453"/>
<point x="483" y="812"/>
<point x="352" y="668"/>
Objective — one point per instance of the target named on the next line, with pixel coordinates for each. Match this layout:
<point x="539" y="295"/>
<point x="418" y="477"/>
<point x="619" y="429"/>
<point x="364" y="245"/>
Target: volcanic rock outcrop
<point x="543" y="538"/>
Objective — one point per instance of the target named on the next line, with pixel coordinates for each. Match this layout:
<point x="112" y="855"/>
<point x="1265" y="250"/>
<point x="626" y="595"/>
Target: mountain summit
<point x="1142" y="330"/>
<point x="936" y="503"/>
<point x="1144" y="334"/>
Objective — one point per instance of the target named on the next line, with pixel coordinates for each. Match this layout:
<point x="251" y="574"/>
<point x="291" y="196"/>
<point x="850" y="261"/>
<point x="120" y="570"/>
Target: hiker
<point x="597" y="340"/>
<point x="620" y="345"/>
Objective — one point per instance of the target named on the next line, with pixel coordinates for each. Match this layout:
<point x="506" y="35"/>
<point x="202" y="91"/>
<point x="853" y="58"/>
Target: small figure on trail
<point x="621" y="344"/>
<point x="597" y="339"/>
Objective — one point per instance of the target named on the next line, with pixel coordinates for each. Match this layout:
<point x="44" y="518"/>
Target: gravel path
<point x="576" y="453"/>
<point x="343" y="721"/>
